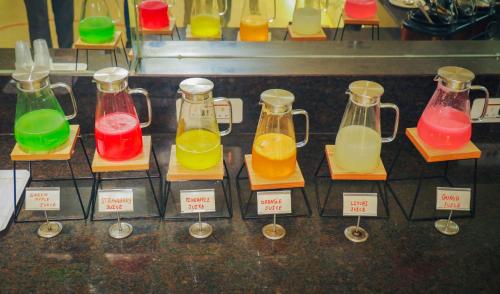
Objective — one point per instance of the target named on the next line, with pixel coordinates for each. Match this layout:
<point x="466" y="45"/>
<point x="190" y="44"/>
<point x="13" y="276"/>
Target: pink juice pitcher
<point x="445" y="122"/>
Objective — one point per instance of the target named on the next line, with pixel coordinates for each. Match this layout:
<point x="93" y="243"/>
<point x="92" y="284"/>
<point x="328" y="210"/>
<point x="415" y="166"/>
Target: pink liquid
<point x="444" y="127"/>
<point x="360" y="8"/>
<point x="118" y="136"/>
<point x="154" y="14"/>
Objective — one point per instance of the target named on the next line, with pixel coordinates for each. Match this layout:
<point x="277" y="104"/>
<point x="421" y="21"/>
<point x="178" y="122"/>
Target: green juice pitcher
<point x="40" y="124"/>
<point x="96" y="25"/>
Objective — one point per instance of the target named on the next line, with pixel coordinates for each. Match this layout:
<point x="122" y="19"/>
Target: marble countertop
<point x="399" y="256"/>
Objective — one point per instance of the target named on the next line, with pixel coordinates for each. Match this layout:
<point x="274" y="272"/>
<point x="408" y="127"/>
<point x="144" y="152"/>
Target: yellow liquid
<point x="205" y="26"/>
<point x="274" y="155"/>
<point x="198" y="149"/>
<point x="357" y="148"/>
<point x="254" y="28"/>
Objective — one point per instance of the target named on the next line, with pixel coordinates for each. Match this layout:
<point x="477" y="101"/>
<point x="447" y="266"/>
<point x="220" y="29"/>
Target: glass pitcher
<point x="307" y="16"/>
<point x="274" y="151"/>
<point x="118" y="134"/>
<point x="205" y="18"/>
<point x="153" y="14"/>
<point x="358" y="143"/>
<point x="198" y="143"/>
<point x="40" y="124"/>
<point x="254" y="25"/>
<point x="96" y="25"/>
<point x="360" y="8"/>
<point x="445" y="122"/>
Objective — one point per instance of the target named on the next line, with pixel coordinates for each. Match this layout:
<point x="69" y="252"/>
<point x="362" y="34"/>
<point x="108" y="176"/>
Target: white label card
<point x="360" y="204"/>
<point x="274" y="202"/>
<point x="43" y="198"/>
<point x="453" y="198"/>
<point x="197" y="201"/>
<point x="116" y="200"/>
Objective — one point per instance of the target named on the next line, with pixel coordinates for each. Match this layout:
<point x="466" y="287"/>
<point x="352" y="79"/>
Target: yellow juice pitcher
<point x="205" y="18"/>
<point x="274" y="151"/>
<point x="358" y="142"/>
<point x="198" y="144"/>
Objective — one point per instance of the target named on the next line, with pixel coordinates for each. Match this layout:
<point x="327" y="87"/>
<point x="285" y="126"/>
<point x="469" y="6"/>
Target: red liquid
<point x="361" y="8"/>
<point x="444" y="127"/>
<point x="118" y="136"/>
<point x="154" y="14"/>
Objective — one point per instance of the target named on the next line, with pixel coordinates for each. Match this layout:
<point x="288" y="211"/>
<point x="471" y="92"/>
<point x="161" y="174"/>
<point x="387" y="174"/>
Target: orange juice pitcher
<point x="254" y="25"/>
<point x="274" y="151"/>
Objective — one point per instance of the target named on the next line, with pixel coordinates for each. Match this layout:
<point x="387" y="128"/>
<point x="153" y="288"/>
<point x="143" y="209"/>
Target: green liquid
<point x="97" y="29"/>
<point x="41" y="130"/>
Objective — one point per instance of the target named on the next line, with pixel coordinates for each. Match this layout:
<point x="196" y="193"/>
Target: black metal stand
<point x="423" y="177"/>
<point x="225" y="184"/>
<point x="98" y="181"/>
<point x="244" y="205"/>
<point x="112" y="55"/>
<point x="373" y="26"/>
<point x="382" y="192"/>
<point x="18" y="206"/>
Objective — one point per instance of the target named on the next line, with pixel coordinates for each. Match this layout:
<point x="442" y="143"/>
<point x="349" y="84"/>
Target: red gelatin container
<point x="154" y="14"/>
<point x="360" y="8"/>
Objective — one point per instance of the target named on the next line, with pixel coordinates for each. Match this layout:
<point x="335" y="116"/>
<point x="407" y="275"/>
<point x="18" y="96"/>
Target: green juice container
<point x="96" y="25"/>
<point x="40" y="124"/>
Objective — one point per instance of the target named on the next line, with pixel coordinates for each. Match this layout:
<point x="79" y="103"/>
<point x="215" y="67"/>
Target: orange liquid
<point x="254" y="28"/>
<point x="274" y="155"/>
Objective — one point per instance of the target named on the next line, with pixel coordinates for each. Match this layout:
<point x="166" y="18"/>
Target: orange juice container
<point x="274" y="150"/>
<point x="254" y="25"/>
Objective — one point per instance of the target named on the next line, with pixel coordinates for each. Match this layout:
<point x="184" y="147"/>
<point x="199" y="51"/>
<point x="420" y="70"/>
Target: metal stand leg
<point x="116" y="59"/>
<point x="309" y="212"/>
<point x="125" y="53"/>
<point x="373" y="32"/>
<point x="76" y="59"/>
<point x="474" y="189"/>
<point x="77" y="189"/>
<point x="337" y="28"/>
<point x="378" y="32"/>
<point x="154" y="193"/>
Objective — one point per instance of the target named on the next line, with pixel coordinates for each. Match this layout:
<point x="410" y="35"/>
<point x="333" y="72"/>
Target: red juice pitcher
<point x="360" y="8"/>
<point x="445" y="122"/>
<point x="153" y="14"/>
<point x="118" y="133"/>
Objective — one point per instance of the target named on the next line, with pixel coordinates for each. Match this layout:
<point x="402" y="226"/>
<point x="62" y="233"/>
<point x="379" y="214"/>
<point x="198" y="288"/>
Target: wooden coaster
<point x="79" y="44"/>
<point x="138" y="163"/>
<point x="430" y="154"/>
<point x="190" y="37"/>
<point x="268" y="38"/>
<point x="373" y="21"/>
<point x="295" y="180"/>
<point x="177" y="172"/>
<point x="167" y="31"/>
<point x="62" y="153"/>
<point x="337" y="173"/>
<point x="299" y="37"/>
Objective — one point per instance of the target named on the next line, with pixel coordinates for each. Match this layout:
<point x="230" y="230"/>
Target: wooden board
<point x="189" y="36"/>
<point x="79" y="44"/>
<point x="167" y="31"/>
<point x="337" y="173"/>
<point x="430" y="154"/>
<point x="62" y="153"/>
<point x="360" y="21"/>
<point x="177" y="173"/>
<point x="138" y="163"/>
<point x="268" y="38"/>
<point x="295" y="180"/>
<point x="298" y="37"/>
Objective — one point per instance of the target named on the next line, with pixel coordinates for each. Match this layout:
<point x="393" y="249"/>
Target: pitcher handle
<point x="230" y="128"/>
<point x="396" y="121"/>
<point x="73" y="100"/>
<point x="486" y="101"/>
<point x="148" y="102"/>
<point x="326" y="4"/>
<point x="225" y="8"/>
<point x="274" y="12"/>
<point x="306" y="139"/>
